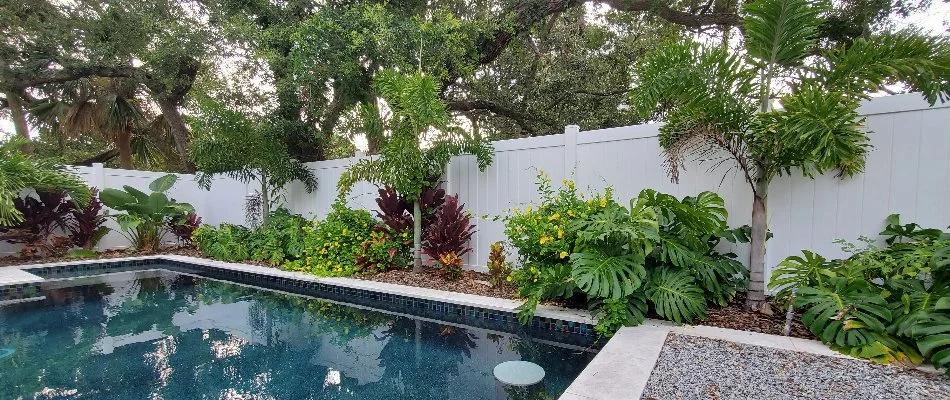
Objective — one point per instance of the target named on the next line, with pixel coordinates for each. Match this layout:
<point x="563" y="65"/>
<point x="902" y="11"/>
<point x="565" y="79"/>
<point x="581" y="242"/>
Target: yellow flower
<point x="508" y="278"/>
<point x="569" y="183"/>
<point x="560" y="233"/>
<point x="603" y="203"/>
<point x="344" y="231"/>
<point x="554" y="217"/>
<point x="570" y="212"/>
<point x="563" y="254"/>
<point x="528" y="208"/>
<point x="545" y="239"/>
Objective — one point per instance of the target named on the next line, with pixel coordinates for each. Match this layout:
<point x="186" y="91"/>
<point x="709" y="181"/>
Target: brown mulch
<point x="734" y="316"/>
<point x="471" y="282"/>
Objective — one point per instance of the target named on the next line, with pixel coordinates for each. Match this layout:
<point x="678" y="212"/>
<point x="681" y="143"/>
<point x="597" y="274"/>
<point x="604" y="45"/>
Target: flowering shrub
<point x="330" y="247"/>
<point x="384" y="250"/>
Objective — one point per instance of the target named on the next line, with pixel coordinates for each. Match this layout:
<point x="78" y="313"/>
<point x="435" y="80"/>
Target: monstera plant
<point x="147" y="216"/>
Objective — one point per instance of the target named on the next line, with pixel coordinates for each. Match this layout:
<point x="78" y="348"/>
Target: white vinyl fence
<point x="908" y="172"/>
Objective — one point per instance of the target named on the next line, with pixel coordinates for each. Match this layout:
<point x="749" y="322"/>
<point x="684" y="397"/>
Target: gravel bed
<point x="692" y="367"/>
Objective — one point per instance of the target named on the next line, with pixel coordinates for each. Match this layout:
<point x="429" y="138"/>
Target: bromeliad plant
<point x="782" y="103"/>
<point x="147" y="216"/>
<point x="657" y="254"/>
<point x="888" y="304"/>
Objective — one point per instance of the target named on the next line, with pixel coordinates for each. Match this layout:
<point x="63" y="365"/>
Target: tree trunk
<point x="755" y="298"/>
<point x="416" y="237"/>
<point x="265" y="199"/>
<point x="180" y="132"/>
<point x="123" y="142"/>
<point x="18" y="114"/>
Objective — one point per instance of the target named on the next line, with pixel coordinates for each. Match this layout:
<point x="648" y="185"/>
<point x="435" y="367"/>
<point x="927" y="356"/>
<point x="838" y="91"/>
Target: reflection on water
<point x="175" y="336"/>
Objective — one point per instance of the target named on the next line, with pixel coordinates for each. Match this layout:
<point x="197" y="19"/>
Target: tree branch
<point x="520" y="119"/>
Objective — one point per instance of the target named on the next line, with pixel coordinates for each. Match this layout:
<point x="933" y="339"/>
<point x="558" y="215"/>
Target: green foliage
<point x="147" y="217"/>
<point x="384" y="250"/>
<point x="658" y="253"/>
<point x="888" y="304"/>
<point x="786" y="102"/>
<point x="281" y="238"/>
<point x="227" y="243"/>
<point x="229" y="143"/>
<point x="331" y="247"/>
<point x="19" y="172"/>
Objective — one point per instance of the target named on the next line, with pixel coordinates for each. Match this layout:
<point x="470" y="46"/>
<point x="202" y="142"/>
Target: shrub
<point x="383" y="251"/>
<point x="887" y="304"/>
<point x="330" y="247"/>
<point x="86" y="224"/>
<point x="657" y="253"/>
<point x="282" y="238"/>
<point x="42" y="215"/>
<point x="498" y="268"/>
<point x="184" y="227"/>
<point x="147" y="216"/>
<point x="227" y="243"/>
<point x="447" y="238"/>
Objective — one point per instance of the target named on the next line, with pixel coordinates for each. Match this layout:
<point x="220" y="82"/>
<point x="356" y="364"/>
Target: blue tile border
<point x="569" y="332"/>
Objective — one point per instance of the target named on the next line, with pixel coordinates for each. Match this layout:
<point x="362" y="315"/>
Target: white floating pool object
<point x="519" y="373"/>
<point x="6" y="353"/>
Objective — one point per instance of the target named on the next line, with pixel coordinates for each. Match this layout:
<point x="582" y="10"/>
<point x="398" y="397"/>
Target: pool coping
<point x="553" y="318"/>
<point x="622" y="368"/>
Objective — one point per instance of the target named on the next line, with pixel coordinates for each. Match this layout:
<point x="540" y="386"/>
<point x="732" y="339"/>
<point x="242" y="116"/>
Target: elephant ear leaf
<point x="115" y="199"/>
<point x="164" y="183"/>
<point x="676" y="295"/>
<point x="611" y="277"/>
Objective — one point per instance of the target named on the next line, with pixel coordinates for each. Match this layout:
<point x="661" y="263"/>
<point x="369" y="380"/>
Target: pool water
<point x="164" y="335"/>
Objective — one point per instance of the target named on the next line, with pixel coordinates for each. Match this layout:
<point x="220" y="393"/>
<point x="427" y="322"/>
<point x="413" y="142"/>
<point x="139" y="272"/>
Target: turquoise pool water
<point x="164" y="335"/>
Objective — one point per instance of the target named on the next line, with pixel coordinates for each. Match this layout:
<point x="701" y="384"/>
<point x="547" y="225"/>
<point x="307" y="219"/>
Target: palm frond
<point x="780" y="32"/>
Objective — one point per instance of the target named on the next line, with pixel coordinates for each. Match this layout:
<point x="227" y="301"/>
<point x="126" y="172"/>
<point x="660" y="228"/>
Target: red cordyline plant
<point x="86" y="225"/>
<point x="396" y="212"/>
<point x="185" y="227"/>
<point x="44" y="214"/>
<point x="448" y="236"/>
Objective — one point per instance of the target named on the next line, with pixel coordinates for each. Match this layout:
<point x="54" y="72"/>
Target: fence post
<point x="98" y="176"/>
<point x="570" y="149"/>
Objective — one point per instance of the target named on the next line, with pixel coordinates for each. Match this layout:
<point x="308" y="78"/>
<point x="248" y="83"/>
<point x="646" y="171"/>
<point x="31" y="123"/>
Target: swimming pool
<point x="166" y="335"/>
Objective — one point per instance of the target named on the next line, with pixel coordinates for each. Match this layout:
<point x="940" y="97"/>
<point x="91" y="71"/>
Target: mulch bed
<point x="732" y="317"/>
<point x="471" y="282"/>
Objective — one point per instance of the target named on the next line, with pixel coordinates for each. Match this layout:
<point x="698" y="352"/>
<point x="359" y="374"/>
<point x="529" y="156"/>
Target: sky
<point x="935" y="20"/>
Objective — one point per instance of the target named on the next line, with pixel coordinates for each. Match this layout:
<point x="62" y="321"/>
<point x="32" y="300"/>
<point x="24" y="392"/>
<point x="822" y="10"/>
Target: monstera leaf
<point x="798" y="271"/>
<point x="846" y="314"/>
<point x="612" y="277"/>
<point x="676" y="295"/>
<point x="933" y="334"/>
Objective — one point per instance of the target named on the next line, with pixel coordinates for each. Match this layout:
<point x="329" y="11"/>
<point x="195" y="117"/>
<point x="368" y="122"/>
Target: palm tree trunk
<point x="416" y="237"/>
<point x="265" y="199"/>
<point x="755" y="297"/>
<point x="18" y="114"/>
<point x="123" y="142"/>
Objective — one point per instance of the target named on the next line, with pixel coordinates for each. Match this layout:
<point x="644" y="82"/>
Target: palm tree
<point x="101" y="106"/>
<point x="19" y="171"/>
<point x="781" y="102"/>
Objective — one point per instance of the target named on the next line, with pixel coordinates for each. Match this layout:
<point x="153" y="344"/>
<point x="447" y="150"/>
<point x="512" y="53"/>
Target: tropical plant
<point x="418" y="117"/>
<point x="86" y="224"/>
<point x="782" y="103"/>
<point x="384" y="251"/>
<point x="280" y="239"/>
<point x="184" y="227"/>
<point x="228" y="242"/>
<point x="229" y="143"/>
<point x="146" y="216"/>
<point x="19" y="172"/>
<point x="447" y="238"/>
<point x="45" y="213"/>
<point x="887" y="304"/>
<point x="658" y="253"/>
<point x="395" y="211"/>
<point x="498" y="268"/>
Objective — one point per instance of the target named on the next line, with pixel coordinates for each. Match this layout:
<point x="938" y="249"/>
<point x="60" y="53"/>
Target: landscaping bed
<point x="693" y="367"/>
